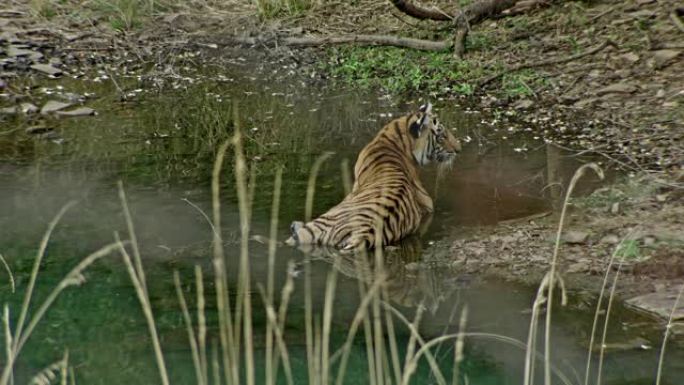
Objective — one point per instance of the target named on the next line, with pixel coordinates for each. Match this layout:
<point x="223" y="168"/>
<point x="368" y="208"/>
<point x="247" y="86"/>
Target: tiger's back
<point x="387" y="196"/>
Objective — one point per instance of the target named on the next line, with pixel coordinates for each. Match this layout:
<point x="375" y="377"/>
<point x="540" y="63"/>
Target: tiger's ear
<point x="426" y="108"/>
<point x="418" y="125"/>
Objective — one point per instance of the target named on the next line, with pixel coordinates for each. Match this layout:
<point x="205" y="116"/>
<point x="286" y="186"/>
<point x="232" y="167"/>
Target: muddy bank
<point x="639" y="224"/>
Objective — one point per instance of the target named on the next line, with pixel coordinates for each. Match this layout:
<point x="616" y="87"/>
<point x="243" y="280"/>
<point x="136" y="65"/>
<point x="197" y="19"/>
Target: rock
<point x="47" y="69"/>
<point x="610" y="239"/>
<point x="18" y="51"/>
<point x="38" y="130"/>
<point x="617" y="88"/>
<point x="82" y="111"/>
<point x="53" y="106"/>
<point x="659" y="304"/>
<point x="649" y="241"/>
<point x="615" y="208"/>
<point x="664" y="57"/>
<point x="28" y="108"/>
<point x="644" y="2"/>
<point x="523" y="104"/>
<point x="629" y="58"/>
<point x="579" y="267"/>
<point x="575" y="237"/>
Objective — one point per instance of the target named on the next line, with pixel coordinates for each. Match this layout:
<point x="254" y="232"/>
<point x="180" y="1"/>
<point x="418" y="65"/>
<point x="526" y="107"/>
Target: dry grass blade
<point x="311" y="185"/>
<point x="147" y="311"/>
<point x="273" y="321"/>
<point x="243" y="298"/>
<point x="308" y="321"/>
<point x="272" y="243"/>
<point x="594" y="324"/>
<point x="285" y="294"/>
<point x="410" y="366"/>
<point x="201" y="323"/>
<point x="132" y="237"/>
<point x="554" y="262"/>
<point x="50" y="373"/>
<point x="9" y="272"/>
<point x="666" y="335"/>
<point x="330" y="285"/>
<point x="605" y="324"/>
<point x="458" y="347"/>
<point x="74" y="277"/>
<point x="8" y="337"/>
<point x="32" y="280"/>
<point x="191" y="332"/>
<point x="226" y="332"/>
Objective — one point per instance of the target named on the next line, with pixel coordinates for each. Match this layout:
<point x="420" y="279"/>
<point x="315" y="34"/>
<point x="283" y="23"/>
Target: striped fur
<point x="387" y="194"/>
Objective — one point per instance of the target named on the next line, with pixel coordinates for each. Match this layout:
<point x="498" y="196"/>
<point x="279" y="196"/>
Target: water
<point x="161" y="145"/>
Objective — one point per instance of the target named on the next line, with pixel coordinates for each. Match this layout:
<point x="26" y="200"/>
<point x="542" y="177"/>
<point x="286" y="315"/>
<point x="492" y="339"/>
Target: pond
<point x="161" y="142"/>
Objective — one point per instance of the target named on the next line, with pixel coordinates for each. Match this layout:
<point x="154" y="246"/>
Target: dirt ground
<point x="625" y="103"/>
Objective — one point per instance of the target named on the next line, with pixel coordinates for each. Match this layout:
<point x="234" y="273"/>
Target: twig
<point x="547" y="62"/>
<point x="609" y="10"/>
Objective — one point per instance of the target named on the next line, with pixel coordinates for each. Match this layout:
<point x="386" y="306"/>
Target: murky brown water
<point x="161" y="145"/>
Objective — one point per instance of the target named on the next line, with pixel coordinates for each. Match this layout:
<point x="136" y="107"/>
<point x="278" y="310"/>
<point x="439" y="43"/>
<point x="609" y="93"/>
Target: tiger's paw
<point x="294" y="229"/>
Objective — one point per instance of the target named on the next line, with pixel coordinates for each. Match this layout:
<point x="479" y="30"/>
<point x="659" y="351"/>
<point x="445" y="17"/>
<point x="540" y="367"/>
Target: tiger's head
<point x="431" y="140"/>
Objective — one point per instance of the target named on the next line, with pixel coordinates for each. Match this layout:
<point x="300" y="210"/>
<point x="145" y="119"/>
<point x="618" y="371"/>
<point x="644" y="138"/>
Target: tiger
<point x="387" y="195"/>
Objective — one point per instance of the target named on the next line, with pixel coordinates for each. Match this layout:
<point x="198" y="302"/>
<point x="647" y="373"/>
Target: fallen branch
<point x="462" y="19"/>
<point x="384" y="40"/>
<point x="547" y="62"/>
<point x="420" y="12"/>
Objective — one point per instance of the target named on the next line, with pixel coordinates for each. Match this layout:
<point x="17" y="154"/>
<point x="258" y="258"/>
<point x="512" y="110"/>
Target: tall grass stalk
<point x="458" y="346"/>
<point x="554" y="262"/>
<point x="285" y="294"/>
<point x="605" y="323"/>
<point x="32" y="282"/>
<point x="74" y="277"/>
<point x="331" y="283"/>
<point x="199" y="375"/>
<point x="8" y="338"/>
<point x="378" y="331"/>
<point x="666" y="334"/>
<point x="226" y="332"/>
<point x="147" y="311"/>
<point x="131" y="233"/>
<point x="277" y="331"/>
<point x="272" y="243"/>
<point x="201" y="323"/>
<point x="9" y="272"/>
<point x="243" y="279"/>
<point x="430" y="358"/>
<point x="359" y="317"/>
<point x="594" y="324"/>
